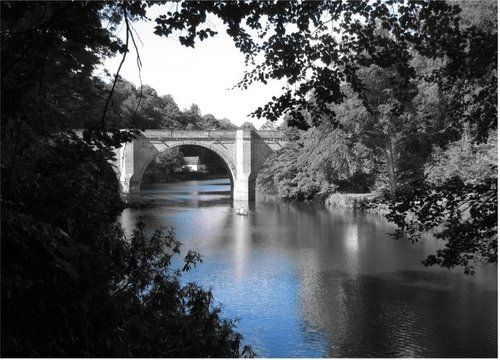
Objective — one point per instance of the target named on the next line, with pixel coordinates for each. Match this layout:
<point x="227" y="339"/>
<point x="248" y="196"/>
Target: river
<point x="307" y="281"/>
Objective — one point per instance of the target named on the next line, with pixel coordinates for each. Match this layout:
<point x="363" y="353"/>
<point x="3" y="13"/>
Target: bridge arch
<point x="243" y="151"/>
<point x="218" y="150"/>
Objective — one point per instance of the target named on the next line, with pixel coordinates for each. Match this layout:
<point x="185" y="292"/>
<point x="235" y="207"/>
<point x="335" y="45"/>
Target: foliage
<point x="73" y="285"/>
<point x="321" y="161"/>
<point x="170" y="159"/>
<point x="457" y="108"/>
<point x="268" y="125"/>
<point x="143" y="108"/>
<point x="114" y="296"/>
<point x="164" y="165"/>
<point x="319" y="45"/>
<point x="466" y="160"/>
<point x="376" y="146"/>
<point x="35" y="37"/>
<point x="458" y="204"/>
<point x="357" y="202"/>
<point x="463" y="215"/>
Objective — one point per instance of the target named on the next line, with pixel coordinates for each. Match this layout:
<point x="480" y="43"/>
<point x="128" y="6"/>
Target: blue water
<point x="306" y="281"/>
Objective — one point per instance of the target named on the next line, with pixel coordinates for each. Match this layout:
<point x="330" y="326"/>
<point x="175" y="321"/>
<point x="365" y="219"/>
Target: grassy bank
<point x="368" y="203"/>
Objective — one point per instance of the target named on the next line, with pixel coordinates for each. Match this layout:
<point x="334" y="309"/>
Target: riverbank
<point x="369" y="203"/>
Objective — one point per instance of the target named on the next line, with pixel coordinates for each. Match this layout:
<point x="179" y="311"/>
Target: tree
<point x="226" y="124"/>
<point x="35" y="36"/>
<point x="320" y="45"/>
<point x="465" y="160"/>
<point x="458" y="203"/>
<point x="463" y="215"/>
<point x="268" y="125"/>
<point x="209" y="122"/>
<point x="322" y="160"/>
<point x="170" y="160"/>
<point x="170" y="112"/>
<point x="72" y="284"/>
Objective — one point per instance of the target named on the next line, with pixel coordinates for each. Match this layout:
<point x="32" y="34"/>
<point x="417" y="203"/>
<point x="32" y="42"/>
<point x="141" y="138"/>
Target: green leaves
<point x="321" y="161"/>
<point x="73" y="284"/>
<point x="315" y="45"/>
<point x="458" y="204"/>
<point x="463" y="159"/>
<point x="463" y="215"/>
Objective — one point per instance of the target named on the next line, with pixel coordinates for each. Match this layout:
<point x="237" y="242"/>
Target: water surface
<point x="306" y="281"/>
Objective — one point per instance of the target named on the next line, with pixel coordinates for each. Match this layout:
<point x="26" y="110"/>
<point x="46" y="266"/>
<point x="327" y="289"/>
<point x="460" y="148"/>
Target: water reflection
<point x="310" y="282"/>
<point x="351" y="245"/>
<point x="241" y="236"/>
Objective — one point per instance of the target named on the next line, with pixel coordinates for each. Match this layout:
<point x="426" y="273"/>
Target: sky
<point x="203" y="75"/>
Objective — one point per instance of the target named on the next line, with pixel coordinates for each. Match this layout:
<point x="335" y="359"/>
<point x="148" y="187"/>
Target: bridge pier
<point x="244" y="185"/>
<point x="244" y="190"/>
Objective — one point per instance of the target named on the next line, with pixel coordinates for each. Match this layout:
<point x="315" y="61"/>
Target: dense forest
<point x="393" y="97"/>
<point x="132" y="107"/>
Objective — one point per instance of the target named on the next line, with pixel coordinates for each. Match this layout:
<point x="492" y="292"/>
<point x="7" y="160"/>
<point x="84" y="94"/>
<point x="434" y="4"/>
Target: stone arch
<point x="160" y="147"/>
<point x="243" y="151"/>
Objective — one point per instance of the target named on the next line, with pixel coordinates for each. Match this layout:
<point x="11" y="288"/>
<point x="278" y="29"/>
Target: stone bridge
<point x="244" y="151"/>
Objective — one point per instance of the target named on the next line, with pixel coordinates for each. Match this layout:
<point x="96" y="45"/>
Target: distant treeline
<point x="136" y="107"/>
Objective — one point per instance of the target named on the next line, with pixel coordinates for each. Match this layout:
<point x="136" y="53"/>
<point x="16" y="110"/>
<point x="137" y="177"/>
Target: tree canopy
<point x="73" y="284"/>
<point x="132" y="107"/>
<point x="318" y="46"/>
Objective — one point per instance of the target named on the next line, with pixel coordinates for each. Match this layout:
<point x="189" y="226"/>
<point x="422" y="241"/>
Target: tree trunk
<point x="390" y="165"/>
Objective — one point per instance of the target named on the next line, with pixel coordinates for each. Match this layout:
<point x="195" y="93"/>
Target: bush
<point x="73" y="285"/>
<point x="464" y="159"/>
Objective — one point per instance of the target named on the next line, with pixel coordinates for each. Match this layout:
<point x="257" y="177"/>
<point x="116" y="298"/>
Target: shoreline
<point x="368" y="203"/>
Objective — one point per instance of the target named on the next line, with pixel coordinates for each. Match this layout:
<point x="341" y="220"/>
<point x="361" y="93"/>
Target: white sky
<point x="203" y="75"/>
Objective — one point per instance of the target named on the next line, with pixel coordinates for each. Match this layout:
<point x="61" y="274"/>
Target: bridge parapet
<point x="189" y="134"/>
<point x="162" y="134"/>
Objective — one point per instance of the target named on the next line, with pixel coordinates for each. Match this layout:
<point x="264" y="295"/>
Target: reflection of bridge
<point x="243" y="151"/>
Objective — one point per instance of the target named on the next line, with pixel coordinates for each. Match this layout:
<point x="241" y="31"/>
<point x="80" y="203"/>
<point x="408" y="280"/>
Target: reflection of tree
<point x="400" y="314"/>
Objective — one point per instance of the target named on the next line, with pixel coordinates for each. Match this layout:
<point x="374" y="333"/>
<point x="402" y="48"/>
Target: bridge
<point x="244" y="151"/>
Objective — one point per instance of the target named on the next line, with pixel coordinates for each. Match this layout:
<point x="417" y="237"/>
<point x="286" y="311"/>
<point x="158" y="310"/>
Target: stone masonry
<point x="244" y="151"/>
